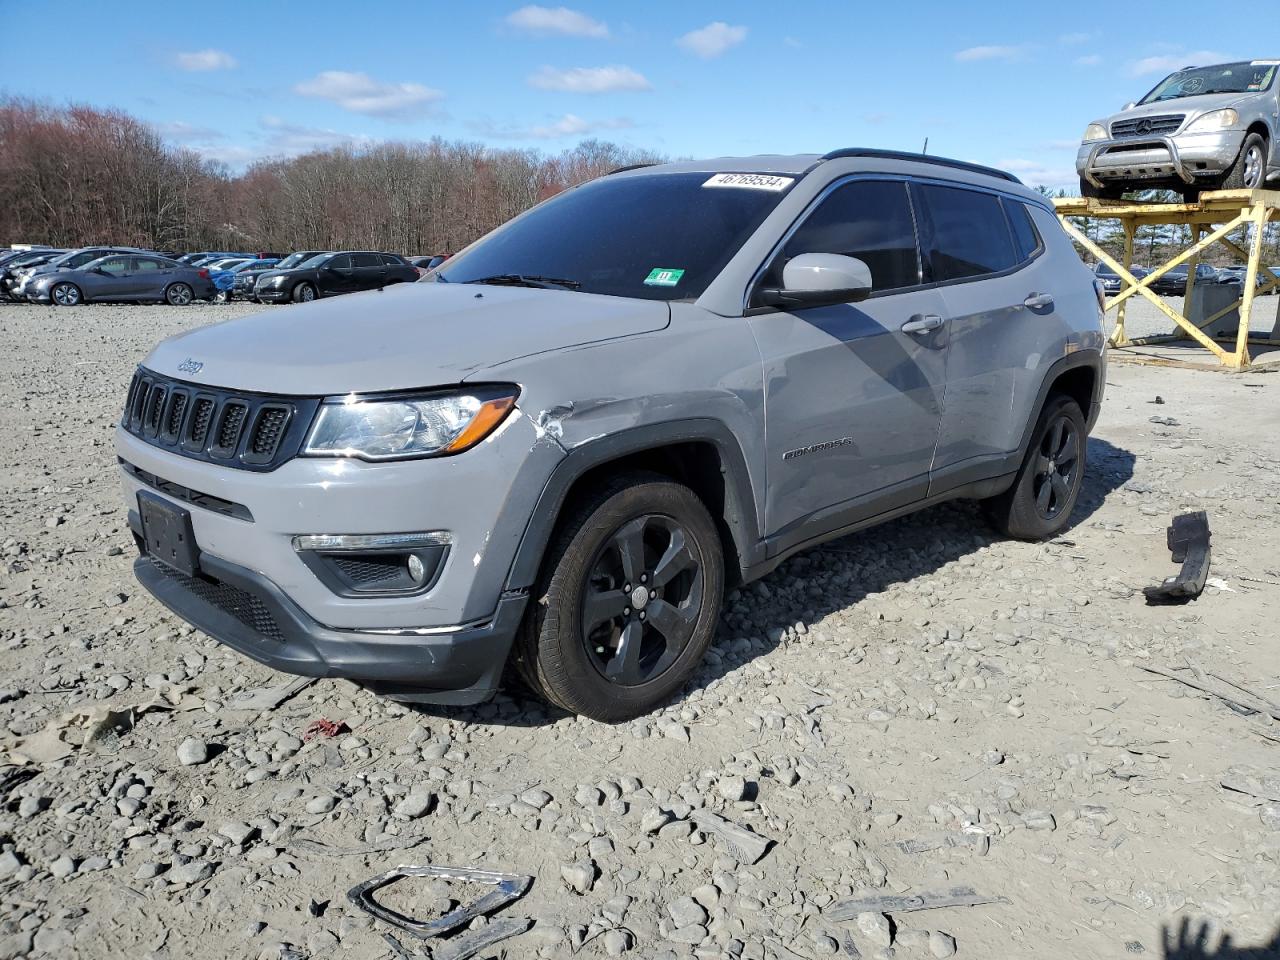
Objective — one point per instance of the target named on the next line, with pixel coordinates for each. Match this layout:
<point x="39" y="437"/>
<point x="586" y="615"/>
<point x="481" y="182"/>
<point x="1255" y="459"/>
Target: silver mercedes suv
<point x="1202" y="128"/>
<point x="560" y="447"/>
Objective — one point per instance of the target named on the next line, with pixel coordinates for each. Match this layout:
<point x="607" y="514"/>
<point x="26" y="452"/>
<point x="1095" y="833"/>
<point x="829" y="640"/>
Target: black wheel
<point x="222" y="296"/>
<point x="1040" y="501"/>
<point x="178" y="294"/>
<point x="1249" y="172"/>
<point x="65" y="295"/>
<point x="304" y="293"/>
<point x="1088" y="190"/>
<point x="627" y="602"/>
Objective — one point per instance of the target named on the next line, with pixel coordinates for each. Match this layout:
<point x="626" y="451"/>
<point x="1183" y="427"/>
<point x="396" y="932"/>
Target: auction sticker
<point x="661" y="277"/>
<point x="751" y="181"/>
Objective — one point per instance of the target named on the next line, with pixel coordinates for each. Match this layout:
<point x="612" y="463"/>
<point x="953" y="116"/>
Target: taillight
<point x="204" y="274"/>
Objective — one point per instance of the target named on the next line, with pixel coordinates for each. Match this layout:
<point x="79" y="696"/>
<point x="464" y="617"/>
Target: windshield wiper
<point x="530" y="280"/>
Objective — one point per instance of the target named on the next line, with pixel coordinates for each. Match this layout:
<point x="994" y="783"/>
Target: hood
<point x="1191" y="106"/>
<point x="405" y="336"/>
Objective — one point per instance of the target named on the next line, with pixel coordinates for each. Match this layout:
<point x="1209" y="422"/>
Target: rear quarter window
<point x="1026" y="239"/>
<point x="969" y="235"/>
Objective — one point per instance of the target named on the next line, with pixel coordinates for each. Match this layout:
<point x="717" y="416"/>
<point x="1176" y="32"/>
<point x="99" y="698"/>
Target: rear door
<point x="985" y="253"/>
<point x="371" y="272"/>
<point x="151" y="276"/>
<point x="852" y="400"/>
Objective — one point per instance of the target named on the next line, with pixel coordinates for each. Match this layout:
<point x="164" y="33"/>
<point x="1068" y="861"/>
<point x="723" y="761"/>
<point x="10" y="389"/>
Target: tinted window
<point x="656" y="236"/>
<point x="341" y="262"/>
<point x="145" y="263"/>
<point x="1026" y="239"/>
<point x="115" y="265"/>
<point x="867" y="219"/>
<point x="391" y="260"/>
<point x="367" y="260"/>
<point x="970" y="235"/>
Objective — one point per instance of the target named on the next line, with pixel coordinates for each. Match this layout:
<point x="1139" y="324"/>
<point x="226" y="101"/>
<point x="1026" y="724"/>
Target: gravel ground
<point x="1142" y="319"/>
<point x="917" y="708"/>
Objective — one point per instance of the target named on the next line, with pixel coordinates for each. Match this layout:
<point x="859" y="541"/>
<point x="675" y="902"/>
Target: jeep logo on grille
<point x="190" y="366"/>
<point x="1144" y="125"/>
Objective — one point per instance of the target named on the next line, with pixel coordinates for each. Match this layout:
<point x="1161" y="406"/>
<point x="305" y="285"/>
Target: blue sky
<point x="1010" y="85"/>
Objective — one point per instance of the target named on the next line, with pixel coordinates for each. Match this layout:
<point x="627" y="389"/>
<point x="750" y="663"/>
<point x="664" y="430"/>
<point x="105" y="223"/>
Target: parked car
<point x="192" y="259"/>
<point x="123" y="277"/>
<point x="18" y="267"/>
<point x="423" y="264"/>
<point x="331" y="274"/>
<point x="1174" y="283"/>
<point x="70" y="260"/>
<point x="1201" y="128"/>
<point x="246" y="279"/>
<point x="563" y="448"/>
<point x="1111" y="281"/>
<point x="226" y="279"/>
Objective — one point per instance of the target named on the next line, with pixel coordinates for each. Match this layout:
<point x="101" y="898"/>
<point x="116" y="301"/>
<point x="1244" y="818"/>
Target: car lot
<point x="884" y="690"/>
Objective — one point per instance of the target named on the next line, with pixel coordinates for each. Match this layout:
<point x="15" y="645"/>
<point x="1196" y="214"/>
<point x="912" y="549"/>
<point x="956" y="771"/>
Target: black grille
<point x="1147" y="126"/>
<point x="372" y="570"/>
<point x="244" y="430"/>
<point x="245" y="607"/>
<point x="227" y="508"/>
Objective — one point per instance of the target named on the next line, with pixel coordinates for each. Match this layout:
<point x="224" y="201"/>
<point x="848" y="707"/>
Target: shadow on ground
<point x="870" y="561"/>
<point x="1203" y="940"/>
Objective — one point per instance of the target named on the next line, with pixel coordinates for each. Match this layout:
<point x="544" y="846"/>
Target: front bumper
<point x="1182" y="157"/>
<point x="271" y="294"/>
<point x="250" y="614"/>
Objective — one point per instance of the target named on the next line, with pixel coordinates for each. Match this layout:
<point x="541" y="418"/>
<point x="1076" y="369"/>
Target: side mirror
<point x="813" y="279"/>
<point x="1130" y="105"/>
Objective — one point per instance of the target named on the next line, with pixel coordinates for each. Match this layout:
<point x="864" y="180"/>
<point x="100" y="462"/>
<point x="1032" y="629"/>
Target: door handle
<point x="1038" y="301"/>
<point x="922" y="323"/>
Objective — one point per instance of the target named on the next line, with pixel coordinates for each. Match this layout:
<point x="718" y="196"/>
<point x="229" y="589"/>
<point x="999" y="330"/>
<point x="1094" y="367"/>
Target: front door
<point x="337" y="276"/>
<point x="112" y="279"/>
<point x="852" y="399"/>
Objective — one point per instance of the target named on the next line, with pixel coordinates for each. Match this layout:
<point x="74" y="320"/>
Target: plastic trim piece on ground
<point x="1188" y="540"/>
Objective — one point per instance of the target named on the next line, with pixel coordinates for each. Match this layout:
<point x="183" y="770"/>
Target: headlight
<point x="401" y="428"/>
<point x="1094" y="131"/>
<point x="1213" y="121"/>
<point x="273" y="281"/>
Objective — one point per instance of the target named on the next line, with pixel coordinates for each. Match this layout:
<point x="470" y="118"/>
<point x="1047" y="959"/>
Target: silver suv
<point x="560" y="447"/>
<point x="1202" y="128"/>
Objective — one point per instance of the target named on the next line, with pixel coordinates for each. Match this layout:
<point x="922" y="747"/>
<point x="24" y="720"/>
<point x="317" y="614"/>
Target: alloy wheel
<point x="1056" y="467"/>
<point x="179" y="295"/>
<point x="307" y="294"/>
<point x="1253" y="167"/>
<point x="642" y="600"/>
<point x="65" y="295"/>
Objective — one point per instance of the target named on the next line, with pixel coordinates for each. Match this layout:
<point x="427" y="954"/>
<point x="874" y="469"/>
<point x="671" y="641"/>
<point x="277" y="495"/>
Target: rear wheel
<point x="66" y="295"/>
<point x="222" y="296"/>
<point x="628" y="600"/>
<point x="178" y="294"/>
<point x="1047" y="485"/>
<point x="304" y="293"/>
<point x="1249" y="172"/>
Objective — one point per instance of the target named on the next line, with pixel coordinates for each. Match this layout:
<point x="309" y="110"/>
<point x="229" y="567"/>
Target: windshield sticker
<point x="663" y="277"/>
<point x="751" y="181"/>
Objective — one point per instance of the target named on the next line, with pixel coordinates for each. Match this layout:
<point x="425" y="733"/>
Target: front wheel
<point x="65" y="294"/>
<point x="304" y="293"/>
<point x="178" y="294"/>
<point x="222" y="296"/>
<point x="1249" y="172"/>
<point x="628" y="600"/>
<point x="1047" y="485"/>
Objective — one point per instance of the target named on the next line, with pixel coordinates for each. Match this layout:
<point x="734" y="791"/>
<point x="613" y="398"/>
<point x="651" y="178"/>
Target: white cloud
<point x="201" y="61"/>
<point x="589" y="79"/>
<point x="179" y="131"/>
<point x="360" y="93"/>
<point x="1168" y="63"/>
<point x="712" y="40"/>
<point x="1088" y="60"/>
<point x="1072" y="39"/>
<point x="1036" y="174"/>
<point x="569" y="125"/>
<point x="290" y="139"/>
<point x="972" y="54"/>
<point x="556" y="20"/>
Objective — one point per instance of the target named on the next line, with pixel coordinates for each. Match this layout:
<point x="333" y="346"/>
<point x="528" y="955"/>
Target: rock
<point x="94" y="864"/>
<point x="417" y="803"/>
<point x="63" y="867"/>
<point x="1039" y="820"/>
<point x="616" y="942"/>
<point x="579" y="876"/>
<point x="322" y="804"/>
<point x="875" y="927"/>
<point x="691" y="935"/>
<point x="942" y="945"/>
<point x="1270" y="816"/>
<point x="686" y="911"/>
<point x="653" y="820"/>
<point x="238" y="832"/>
<point x="192" y="751"/>
<point x="732" y="789"/>
<point x="9" y="863"/>
<point x="536" y="798"/>
<point x="191" y="872"/>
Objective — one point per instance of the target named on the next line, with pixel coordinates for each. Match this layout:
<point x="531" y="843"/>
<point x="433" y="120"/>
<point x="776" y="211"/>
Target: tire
<point x="630" y="528"/>
<point x="304" y="293"/>
<point x="1249" y="172"/>
<point x="179" y="294"/>
<point x="1047" y="485"/>
<point x="222" y="296"/>
<point x="65" y="295"/>
<point x="1089" y="191"/>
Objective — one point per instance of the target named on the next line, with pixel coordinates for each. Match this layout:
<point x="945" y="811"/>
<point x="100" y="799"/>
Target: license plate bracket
<point x="167" y="533"/>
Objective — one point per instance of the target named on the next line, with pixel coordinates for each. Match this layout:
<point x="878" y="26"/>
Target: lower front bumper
<point x="1182" y="158"/>
<point x="271" y="295"/>
<point x="250" y="614"/>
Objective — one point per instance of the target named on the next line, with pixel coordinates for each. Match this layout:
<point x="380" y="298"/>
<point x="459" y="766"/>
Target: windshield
<point x="293" y="259"/>
<point x="654" y="236"/>
<point x="1241" y="77"/>
<point x="315" y="261"/>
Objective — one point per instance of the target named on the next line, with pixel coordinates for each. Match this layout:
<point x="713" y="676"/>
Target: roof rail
<point x="919" y="158"/>
<point x="630" y="166"/>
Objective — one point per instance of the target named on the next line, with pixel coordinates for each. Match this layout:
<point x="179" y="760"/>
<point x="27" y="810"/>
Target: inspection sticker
<point x="661" y="277"/>
<point x="752" y="181"/>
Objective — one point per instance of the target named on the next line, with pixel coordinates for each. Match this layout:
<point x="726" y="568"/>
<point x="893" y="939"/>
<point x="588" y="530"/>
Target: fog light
<point x="416" y="569"/>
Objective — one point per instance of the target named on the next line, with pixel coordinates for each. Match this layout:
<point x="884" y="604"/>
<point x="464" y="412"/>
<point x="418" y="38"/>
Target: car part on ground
<point x="1200" y="128"/>
<point x="506" y="888"/>
<point x="720" y="364"/>
<point x="1188" y="539"/>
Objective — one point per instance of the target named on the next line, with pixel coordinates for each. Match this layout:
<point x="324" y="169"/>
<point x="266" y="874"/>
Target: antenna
<point x="925" y="148"/>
